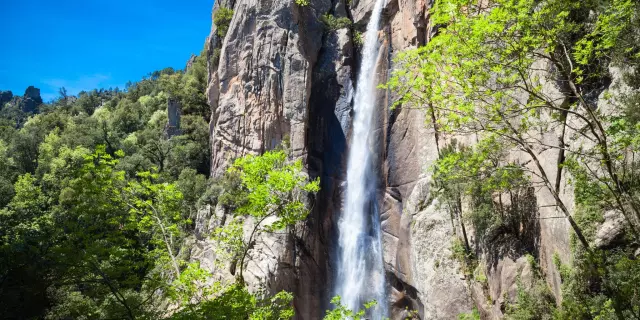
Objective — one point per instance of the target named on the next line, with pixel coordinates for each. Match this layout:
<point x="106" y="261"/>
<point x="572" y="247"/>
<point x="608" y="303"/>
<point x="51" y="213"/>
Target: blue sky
<point x="87" y="44"/>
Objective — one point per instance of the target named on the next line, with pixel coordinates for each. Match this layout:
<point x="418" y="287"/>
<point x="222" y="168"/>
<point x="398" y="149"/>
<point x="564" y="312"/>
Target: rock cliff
<point x="279" y="75"/>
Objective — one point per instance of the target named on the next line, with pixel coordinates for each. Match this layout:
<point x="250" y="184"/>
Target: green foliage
<point x="96" y="233"/>
<point x="275" y="188"/>
<point x="222" y="18"/>
<point x="474" y="315"/>
<point x="478" y="174"/>
<point x="193" y="186"/>
<point x="358" y="40"/>
<point x="235" y="302"/>
<point x="600" y="287"/>
<point x="268" y="189"/>
<point x="475" y="73"/>
<point x="479" y="168"/>
<point x="7" y="174"/>
<point x="532" y="303"/>
<point x="480" y="276"/>
<point x="341" y="312"/>
<point x="110" y="242"/>
<point x="460" y="253"/>
<point x="215" y="57"/>
<point x="333" y="23"/>
<point x="88" y="231"/>
<point x="302" y="3"/>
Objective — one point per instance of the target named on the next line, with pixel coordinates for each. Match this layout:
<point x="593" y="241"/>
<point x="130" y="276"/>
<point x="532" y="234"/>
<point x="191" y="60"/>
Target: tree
<point x="222" y="18"/>
<point x="269" y="190"/>
<point x="341" y="312"/>
<point x="7" y="174"/>
<point x="486" y="70"/>
<point x="62" y="92"/>
<point x="271" y="193"/>
<point x="236" y="303"/>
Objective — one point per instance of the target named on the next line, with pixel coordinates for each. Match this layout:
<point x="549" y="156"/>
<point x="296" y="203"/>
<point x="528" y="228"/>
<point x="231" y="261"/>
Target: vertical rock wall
<point x="280" y="75"/>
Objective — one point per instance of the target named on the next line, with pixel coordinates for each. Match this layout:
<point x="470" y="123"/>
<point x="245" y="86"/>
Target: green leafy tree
<point x="25" y="226"/>
<point x="7" y="174"/>
<point x="333" y="23"/>
<point x="272" y="194"/>
<point x="222" y="18"/>
<point x="341" y="312"/>
<point x="478" y="174"/>
<point x="481" y="74"/>
<point x="235" y="302"/>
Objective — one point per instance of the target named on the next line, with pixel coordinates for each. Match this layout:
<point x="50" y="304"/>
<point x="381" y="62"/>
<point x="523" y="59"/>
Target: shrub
<point x="474" y="315"/>
<point x="534" y="303"/>
<point x="357" y="39"/>
<point x="222" y="18"/>
<point x="333" y="23"/>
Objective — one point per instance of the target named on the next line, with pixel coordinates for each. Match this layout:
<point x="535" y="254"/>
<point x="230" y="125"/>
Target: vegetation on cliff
<point x="509" y="72"/>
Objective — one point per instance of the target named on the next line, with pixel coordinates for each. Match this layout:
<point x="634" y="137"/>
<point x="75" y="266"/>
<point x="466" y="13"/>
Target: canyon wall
<point x="280" y="76"/>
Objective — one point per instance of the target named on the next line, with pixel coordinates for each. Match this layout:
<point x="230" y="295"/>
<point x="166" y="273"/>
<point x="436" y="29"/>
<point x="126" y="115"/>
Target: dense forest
<point x="99" y="192"/>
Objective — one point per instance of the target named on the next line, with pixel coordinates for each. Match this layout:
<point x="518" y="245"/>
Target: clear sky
<point x="87" y="44"/>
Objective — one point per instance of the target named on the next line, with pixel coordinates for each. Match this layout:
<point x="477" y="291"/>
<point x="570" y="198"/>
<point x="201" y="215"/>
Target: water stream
<point x="360" y="270"/>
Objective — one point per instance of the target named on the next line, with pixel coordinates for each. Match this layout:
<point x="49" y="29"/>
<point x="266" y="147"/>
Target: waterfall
<point x="360" y="271"/>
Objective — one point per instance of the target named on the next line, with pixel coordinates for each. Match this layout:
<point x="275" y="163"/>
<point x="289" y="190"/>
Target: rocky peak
<point x="5" y="96"/>
<point x="191" y="61"/>
<point x="31" y="99"/>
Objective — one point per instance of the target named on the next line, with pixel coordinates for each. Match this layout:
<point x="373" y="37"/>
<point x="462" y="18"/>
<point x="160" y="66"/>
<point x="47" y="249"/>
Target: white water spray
<point x="360" y="276"/>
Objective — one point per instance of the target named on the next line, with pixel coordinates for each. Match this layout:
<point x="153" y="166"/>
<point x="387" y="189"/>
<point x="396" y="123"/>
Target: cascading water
<point x="360" y="276"/>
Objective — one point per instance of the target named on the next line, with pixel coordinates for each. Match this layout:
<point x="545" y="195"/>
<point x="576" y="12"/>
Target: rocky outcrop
<point x="431" y="270"/>
<point x="259" y="93"/>
<point x="611" y="230"/>
<point x="5" y="96"/>
<point x="190" y="62"/>
<point x="260" y="81"/>
<point x="31" y="99"/>
<point x="172" y="128"/>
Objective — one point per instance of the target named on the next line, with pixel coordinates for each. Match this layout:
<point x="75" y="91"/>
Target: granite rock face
<point x="611" y="230"/>
<point x="259" y="93"/>
<point x="190" y="62"/>
<point x="31" y="99"/>
<point x="260" y="80"/>
<point x="279" y="76"/>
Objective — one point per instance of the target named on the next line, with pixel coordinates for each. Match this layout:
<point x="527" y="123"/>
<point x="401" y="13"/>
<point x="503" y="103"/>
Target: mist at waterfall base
<point x="360" y="271"/>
